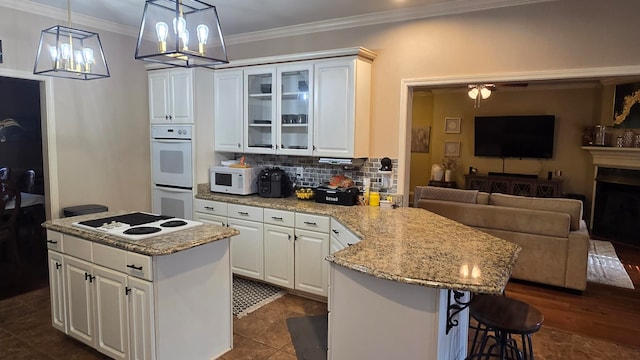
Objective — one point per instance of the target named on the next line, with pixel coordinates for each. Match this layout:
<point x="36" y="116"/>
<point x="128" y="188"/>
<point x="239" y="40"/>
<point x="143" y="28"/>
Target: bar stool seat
<point x="504" y="317"/>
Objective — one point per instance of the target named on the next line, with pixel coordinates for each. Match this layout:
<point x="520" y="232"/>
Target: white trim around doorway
<point x="49" y="146"/>
<point x="406" y="95"/>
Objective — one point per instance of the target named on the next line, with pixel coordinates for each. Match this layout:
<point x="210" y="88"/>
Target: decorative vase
<point x="627" y="138"/>
<point x="447" y="175"/>
<point x="436" y="172"/>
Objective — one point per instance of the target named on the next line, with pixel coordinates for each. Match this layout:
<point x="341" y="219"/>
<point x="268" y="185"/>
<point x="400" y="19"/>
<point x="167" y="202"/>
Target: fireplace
<point x="616" y="197"/>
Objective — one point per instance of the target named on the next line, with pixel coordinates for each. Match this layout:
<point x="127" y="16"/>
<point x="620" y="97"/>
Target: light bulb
<point x="203" y="36"/>
<point x="473" y="93"/>
<point x="179" y="25"/>
<point x="185" y="39"/>
<point x="77" y="55"/>
<point x="162" y="30"/>
<point x="65" y="50"/>
<point x="203" y="33"/>
<point x="53" y="51"/>
<point x="485" y="92"/>
<point x="88" y="55"/>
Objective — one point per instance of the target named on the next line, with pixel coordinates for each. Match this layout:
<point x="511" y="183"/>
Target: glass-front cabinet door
<point x="260" y="112"/>
<point x="295" y="109"/>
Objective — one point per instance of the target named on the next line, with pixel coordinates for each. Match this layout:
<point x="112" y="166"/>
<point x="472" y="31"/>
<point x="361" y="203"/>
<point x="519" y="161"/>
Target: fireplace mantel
<point x="615" y="157"/>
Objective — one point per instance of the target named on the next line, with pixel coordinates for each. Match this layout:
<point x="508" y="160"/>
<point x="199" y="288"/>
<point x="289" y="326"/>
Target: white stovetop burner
<point x="118" y="228"/>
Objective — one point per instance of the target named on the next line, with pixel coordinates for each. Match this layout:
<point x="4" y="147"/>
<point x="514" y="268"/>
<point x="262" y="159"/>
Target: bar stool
<point x="504" y="317"/>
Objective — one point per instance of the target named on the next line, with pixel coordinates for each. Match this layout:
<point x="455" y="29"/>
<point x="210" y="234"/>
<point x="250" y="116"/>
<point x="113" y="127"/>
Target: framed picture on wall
<point x="452" y="125"/>
<point x="452" y="148"/>
<point x="420" y="139"/>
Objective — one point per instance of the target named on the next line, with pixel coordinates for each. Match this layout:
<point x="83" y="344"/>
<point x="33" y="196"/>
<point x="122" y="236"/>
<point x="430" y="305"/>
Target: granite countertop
<point x="153" y="246"/>
<point x="408" y="245"/>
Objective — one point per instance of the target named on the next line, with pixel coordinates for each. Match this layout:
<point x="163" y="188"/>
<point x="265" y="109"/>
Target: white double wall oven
<point x="172" y="170"/>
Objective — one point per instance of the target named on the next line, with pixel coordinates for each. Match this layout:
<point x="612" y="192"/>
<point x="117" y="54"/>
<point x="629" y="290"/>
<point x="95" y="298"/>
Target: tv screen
<point x="529" y="136"/>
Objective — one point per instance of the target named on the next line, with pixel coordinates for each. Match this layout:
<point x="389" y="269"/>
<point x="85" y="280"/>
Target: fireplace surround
<point x="615" y="213"/>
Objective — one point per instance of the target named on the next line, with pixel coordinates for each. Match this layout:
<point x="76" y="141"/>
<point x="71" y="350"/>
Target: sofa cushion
<point x="483" y="198"/>
<point x="446" y="194"/>
<point x="568" y="206"/>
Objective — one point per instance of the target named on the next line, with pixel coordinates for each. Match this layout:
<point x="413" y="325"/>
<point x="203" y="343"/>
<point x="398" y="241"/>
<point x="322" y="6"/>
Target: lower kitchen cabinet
<point x="311" y="274"/>
<point x="247" y="249"/>
<point x="98" y="298"/>
<point x="279" y="255"/>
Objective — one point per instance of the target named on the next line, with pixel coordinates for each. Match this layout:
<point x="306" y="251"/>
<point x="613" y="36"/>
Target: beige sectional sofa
<point x="551" y="232"/>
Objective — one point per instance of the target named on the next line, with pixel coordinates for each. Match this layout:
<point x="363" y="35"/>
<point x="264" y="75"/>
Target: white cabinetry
<point x="171" y="96"/>
<point x="342" y="108"/>
<point x="104" y="297"/>
<point x="279" y="247"/>
<point x="341" y="237"/>
<point x="312" y="246"/>
<point x="247" y="248"/>
<point x="210" y="212"/>
<point x="228" y="110"/>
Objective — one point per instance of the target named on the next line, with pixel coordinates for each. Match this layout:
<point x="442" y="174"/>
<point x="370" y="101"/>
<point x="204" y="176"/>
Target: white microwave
<point x="237" y="181"/>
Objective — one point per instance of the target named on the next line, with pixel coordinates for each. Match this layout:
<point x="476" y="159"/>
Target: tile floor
<point x="26" y="333"/>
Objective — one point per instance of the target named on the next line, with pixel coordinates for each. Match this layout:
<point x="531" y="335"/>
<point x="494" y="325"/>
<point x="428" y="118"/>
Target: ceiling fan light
<point x="485" y="92"/>
<point x="473" y="92"/>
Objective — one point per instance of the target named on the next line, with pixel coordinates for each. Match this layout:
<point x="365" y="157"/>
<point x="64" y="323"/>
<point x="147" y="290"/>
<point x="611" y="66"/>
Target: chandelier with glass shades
<point x="70" y="53"/>
<point x="183" y="33"/>
<point x="480" y="91"/>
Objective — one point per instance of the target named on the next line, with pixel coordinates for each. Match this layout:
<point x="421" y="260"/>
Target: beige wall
<point x="574" y="108"/>
<point x="422" y="116"/>
<point x="101" y="126"/>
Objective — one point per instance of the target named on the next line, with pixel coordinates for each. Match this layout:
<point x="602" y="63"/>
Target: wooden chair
<point x="8" y="235"/>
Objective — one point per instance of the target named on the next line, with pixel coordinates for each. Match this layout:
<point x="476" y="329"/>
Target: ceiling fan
<point x="479" y="92"/>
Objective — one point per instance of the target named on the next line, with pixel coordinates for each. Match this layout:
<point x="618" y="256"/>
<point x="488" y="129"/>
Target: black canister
<point x="273" y="183"/>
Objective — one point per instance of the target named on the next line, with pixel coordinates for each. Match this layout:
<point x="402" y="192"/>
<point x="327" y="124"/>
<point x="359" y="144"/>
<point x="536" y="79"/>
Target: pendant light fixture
<point x="70" y="53"/>
<point x="183" y="33"/>
<point x="480" y="91"/>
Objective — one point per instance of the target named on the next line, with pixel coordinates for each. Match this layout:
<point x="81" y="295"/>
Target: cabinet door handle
<point x="349" y="244"/>
<point x="58" y="265"/>
<point x="239" y="145"/>
<point x="166" y="117"/>
<point x="127" y="290"/>
<point x="52" y="241"/>
<point x="276" y="147"/>
<point x="295" y="237"/>
<point x="135" y="267"/>
<point x="276" y="218"/>
<point x="335" y="231"/>
<point x="210" y="208"/>
<point x="243" y="213"/>
<point x="314" y="148"/>
<point x="288" y="236"/>
<point x="88" y="276"/>
<point x="170" y="117"/>
<point x="310" y="223"/>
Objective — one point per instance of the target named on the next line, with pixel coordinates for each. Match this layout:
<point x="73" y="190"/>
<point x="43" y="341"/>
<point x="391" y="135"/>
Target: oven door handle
<point x="171" y="141"/>
<point x="173" y="190"/>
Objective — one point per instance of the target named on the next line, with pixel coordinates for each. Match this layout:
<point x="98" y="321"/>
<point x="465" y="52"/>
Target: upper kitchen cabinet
<point x="171" y="96"/>
<point x="277" y="116"/>
<point x="342" y="108"/>
<point x="228" y="110"/>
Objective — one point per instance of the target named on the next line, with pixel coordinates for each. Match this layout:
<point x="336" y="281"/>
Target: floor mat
<point x="309" y="336"/>
<point x="604" y="267"/>
<point x="249" y="296"/>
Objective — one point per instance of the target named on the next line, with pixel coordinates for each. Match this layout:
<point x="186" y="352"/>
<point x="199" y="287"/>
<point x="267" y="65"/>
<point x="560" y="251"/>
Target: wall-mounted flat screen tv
<point x="520" y="136"/>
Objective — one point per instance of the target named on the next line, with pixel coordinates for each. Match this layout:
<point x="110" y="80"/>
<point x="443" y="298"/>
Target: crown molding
<point x="421" y="12"/>
<point x="76" y="19"/>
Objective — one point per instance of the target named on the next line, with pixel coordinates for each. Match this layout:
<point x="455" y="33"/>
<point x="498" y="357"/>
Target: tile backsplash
<point x="315" y="174"/>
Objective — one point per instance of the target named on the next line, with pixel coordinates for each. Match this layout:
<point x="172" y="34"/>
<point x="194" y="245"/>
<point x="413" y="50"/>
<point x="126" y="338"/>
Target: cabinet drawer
<point x="211" y="207"/>
<point x="312" y="222"/>
<point x="54" y="241"/>
<point x="341" y="234"/>
<point x="279" y="217"/>
<point x="77" y="247"/>
<point x="139" y="265"/>
<point x="245" y="212"/>
<point x="110" y="257"/>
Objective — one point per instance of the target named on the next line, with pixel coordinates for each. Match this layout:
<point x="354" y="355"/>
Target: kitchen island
<point x="161" y="297"/>
<point x="396" y="292"/>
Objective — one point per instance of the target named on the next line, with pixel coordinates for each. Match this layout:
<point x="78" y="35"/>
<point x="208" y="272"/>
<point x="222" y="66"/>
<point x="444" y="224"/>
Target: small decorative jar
<point x="636" y="141"/>
<point x="627" y="138"/>
<point x="619" y="141"/>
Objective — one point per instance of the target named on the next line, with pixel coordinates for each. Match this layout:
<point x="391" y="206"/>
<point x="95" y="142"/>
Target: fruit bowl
<point x="305" y="193"/>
